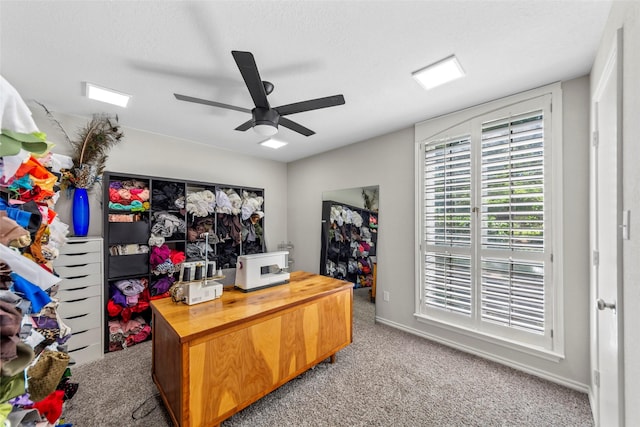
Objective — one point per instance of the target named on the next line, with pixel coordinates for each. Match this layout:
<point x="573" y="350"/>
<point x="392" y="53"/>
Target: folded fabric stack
<point x="34" y="373"/>
<point x="343" y="215"/>
<point x="168" y="196"/>
<point x="230" y="229"/>
<point x="128" y="249"/>
<point x="160" y="286"/>
<point x="252" y="214"/>
<point x="129" y="195"/>
<point x="201" y="203"/>
<point x="228" y="202"/>
<point x="167" y="225"/>
<point x="125" y="217"/>
<point x="196" y="251"/>
<point x="123" y="334"/>
<point x="127" y="298"/>
<point x="251" y="204"/>
<point x="201" y="206"/>
<point x="165" y="260"/>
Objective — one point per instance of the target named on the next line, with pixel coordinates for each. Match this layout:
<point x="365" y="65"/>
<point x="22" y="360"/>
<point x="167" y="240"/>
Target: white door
<point x="606" y="244"/>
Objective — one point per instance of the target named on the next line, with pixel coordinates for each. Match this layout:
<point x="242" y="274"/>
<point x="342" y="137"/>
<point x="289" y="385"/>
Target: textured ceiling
<point x="365" y="50"/>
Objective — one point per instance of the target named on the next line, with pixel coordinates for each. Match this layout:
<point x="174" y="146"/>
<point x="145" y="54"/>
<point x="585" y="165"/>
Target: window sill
<point x="493" y="339"/>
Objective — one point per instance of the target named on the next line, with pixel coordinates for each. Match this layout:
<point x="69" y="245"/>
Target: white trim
<point x="493" y="339"/>
<point x="557" y="197"/>
<point x="574" y="385"/>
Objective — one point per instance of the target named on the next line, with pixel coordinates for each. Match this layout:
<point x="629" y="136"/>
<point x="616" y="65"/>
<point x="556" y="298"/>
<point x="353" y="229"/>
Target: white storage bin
<point x="80" y="294"/>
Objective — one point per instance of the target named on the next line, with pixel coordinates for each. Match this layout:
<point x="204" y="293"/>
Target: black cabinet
<point x="152" y="225"/>
<point x="348" y="243"/>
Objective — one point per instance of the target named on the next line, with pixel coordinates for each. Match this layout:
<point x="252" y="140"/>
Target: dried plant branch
<point x="90" y="149"/>
<point x="55" y="121"/>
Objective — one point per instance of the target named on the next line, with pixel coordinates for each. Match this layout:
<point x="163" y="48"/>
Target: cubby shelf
<point x="158" y="221"/>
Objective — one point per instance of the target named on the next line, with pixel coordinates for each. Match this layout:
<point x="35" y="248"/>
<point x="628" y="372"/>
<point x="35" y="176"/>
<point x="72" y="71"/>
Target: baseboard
<point x="566" y="382"/>
<point x="592" y="403"/>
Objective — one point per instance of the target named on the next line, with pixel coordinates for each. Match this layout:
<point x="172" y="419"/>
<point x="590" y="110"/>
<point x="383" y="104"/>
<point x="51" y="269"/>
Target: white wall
<point x="626" y="14"/>
<point x="151" y="154"/>
<point x="389" y="161"/>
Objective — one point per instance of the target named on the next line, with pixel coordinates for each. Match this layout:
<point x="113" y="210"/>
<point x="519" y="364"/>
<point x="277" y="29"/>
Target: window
<point x="486" y="222"/>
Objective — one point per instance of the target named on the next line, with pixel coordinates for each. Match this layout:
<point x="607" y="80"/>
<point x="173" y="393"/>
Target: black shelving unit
<point x="230" y="232"/>
<point x="348" y="243"/>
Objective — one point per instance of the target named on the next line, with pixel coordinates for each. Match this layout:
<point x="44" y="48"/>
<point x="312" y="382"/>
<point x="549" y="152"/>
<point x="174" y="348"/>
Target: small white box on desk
<point x="201" y="291"/>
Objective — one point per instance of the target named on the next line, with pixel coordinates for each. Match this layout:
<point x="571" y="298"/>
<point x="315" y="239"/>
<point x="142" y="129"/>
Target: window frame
<point x="469" y="121"/>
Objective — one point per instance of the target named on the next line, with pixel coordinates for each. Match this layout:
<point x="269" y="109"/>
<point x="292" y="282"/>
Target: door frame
<point x="614" y="64"/>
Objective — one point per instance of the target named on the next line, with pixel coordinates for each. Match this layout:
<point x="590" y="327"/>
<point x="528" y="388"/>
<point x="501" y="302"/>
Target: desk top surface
<point x="235" y="306"/>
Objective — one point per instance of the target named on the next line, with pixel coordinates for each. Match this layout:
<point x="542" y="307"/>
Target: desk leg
<point x="332" y="358"/>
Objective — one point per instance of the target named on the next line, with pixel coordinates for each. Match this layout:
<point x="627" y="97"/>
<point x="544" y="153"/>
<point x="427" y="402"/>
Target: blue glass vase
<point x="80" y="212"/>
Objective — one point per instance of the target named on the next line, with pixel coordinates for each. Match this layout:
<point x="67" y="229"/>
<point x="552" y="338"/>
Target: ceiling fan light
<point x="265" y="129"/>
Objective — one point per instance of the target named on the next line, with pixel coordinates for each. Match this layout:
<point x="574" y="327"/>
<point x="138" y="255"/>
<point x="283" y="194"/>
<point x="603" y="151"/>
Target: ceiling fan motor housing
<point x="265" y="116"/>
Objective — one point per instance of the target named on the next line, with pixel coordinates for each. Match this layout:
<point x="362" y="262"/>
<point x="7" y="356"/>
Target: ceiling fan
<point x="265" y="119"/>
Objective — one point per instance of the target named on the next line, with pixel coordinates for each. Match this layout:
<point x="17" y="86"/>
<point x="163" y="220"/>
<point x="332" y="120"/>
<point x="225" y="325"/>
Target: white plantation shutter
<point x="486" y="220"/>
<point x="512" y="221"/>
<point x="447" y="224"/>
<point x="512" y="183"/>
<point x="513" y="293"/>
<point x="448" y="282"/>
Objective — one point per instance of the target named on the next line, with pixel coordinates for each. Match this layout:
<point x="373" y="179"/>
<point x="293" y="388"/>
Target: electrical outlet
<point x="386" y="295"/>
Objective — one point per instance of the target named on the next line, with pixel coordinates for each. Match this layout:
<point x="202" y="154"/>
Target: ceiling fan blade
<point x="312" y="104"/>
<point x="295" y="126"/>
<point x="246" y="125"/>
<point x="212" y="103"/>
<point x="249" y="70"/>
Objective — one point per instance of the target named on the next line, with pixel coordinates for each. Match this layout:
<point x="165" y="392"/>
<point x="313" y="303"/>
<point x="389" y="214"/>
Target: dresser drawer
<point x="66" y="272"/>
<point x="79" y="258"/>
<point x="81" y="282"/>
<point x="86" y="354"/>
<point x="81" y="246"/>
<point x="72" y="294"/>
<point x="83" y="322"/>
<point x="84" y="338"/>
<point x="79" y="307"/>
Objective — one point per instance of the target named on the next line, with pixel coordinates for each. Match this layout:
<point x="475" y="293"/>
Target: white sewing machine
<point x="261" y="270"/>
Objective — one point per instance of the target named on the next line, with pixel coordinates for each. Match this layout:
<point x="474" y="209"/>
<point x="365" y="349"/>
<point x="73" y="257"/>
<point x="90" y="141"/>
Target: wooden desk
<point x="213" y="359"/>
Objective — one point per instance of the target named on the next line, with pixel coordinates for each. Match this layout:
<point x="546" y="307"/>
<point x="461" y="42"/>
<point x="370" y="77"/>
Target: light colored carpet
<point x="385" y="377"/>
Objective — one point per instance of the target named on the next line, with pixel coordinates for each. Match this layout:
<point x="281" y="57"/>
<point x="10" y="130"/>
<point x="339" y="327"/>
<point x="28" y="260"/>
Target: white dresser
<point x="80" y="293"/>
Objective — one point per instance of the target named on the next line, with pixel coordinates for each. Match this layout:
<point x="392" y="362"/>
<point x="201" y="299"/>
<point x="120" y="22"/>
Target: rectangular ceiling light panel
<point x="441" y="72"/>
<point x="273" y="143"/>
<point x="106" y="95"/>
